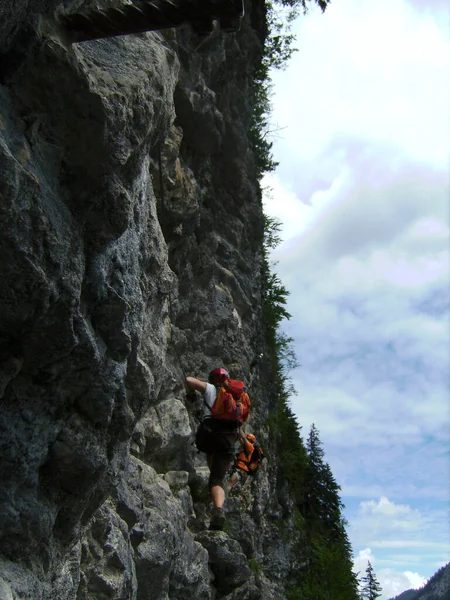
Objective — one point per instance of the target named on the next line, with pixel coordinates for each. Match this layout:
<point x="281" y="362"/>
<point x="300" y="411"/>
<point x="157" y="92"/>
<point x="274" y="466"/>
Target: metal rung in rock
<point x="152" y="15"/>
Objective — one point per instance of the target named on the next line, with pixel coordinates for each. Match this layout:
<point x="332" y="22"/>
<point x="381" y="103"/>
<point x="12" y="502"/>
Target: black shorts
<point x="219" y="444"/>
<point x="214" y="437"/>
<point x="220" y="465"/>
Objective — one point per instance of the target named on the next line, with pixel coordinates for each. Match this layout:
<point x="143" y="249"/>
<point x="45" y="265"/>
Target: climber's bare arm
<point x="195" y="384"/>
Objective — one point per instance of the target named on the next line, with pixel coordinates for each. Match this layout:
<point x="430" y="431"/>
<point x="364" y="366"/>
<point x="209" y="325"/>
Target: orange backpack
<point x="232" y="402"/>
<point x="255" y="458"/>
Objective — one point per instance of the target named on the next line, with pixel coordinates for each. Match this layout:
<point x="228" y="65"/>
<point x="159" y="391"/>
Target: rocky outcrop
<point x="131" y="239"/>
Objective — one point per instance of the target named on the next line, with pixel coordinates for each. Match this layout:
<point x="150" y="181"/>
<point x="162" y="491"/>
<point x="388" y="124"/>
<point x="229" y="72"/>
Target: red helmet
<point x="218" y="376"/>
<point x="251" y="438"/>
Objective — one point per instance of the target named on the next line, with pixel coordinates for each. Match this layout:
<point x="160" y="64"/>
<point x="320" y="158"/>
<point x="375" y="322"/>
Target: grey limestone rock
<point x="5" y="591"/>
<point x="226" y="559"/>
<point x="131" y="247"/>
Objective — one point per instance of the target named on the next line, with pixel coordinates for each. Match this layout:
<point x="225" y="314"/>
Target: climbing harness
<point x="205" y="16"/>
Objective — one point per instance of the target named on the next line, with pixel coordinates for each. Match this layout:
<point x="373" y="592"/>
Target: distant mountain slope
<point x="437" y="588"/>
<point x="408" y="595"/>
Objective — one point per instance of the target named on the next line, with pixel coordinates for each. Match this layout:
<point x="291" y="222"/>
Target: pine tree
<point x="371" y="588"/>
<point x="322" y="503"/>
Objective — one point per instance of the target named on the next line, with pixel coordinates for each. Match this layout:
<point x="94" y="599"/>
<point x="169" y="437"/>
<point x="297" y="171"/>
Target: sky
<point x="361" y="124"/>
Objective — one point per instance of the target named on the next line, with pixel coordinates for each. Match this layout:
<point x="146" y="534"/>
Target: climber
<point x="218" y="432"/>
<point x="247" y="461"/>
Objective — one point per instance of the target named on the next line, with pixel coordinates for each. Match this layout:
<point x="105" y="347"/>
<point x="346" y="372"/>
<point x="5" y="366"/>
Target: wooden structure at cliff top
<point x="142" y="15"/>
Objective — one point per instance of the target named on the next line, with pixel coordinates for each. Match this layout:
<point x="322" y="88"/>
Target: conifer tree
<point x="331" y="555"/>
<point x="371" y="588"/>
<point x="322" y="502"/>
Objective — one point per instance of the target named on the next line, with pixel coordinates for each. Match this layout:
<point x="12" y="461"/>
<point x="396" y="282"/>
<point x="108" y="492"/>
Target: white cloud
<point x="371" y="320"/>
<point x="429" y="230"/>
<point x="283" y="203"/>
<point x="410" y="544"/>
<point x="362" y="191"/>
<point x="402" y="538"/>
<point x="385" y="509"/>
<point x="369" y="471"/>
<point x="371" y="226"/>
<point x="377" y="69"/>
<point x="401" y="559"/>
<point x="394" y="582"/>
<point x="364" y="556"/>
<point x="382" y="516"/>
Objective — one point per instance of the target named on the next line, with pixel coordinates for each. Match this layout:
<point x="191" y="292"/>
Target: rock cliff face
<point x="131" y="244"/>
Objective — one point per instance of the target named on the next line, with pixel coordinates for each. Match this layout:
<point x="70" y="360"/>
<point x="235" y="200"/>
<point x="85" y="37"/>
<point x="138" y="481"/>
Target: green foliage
<point x="330" y="572"/>
<point x="325" y="545"/>
<point x="285" y="429"/>
<point x="288" y="360"/>
<point x="320" y="537"/>
<point x="272" y="228"/>
<point x="290" y="448"/>
<point x="259" y="128"/>
<point x="255" y="566"/>
<point x="275" y="299"/>
<point x="298" y="5"/>
<point x="274" y="302"/>
<point x="322" y="502"/>
<point x="329" y="576"/>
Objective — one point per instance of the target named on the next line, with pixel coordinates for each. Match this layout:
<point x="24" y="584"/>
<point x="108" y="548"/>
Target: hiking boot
<point x="217" y="519"/>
